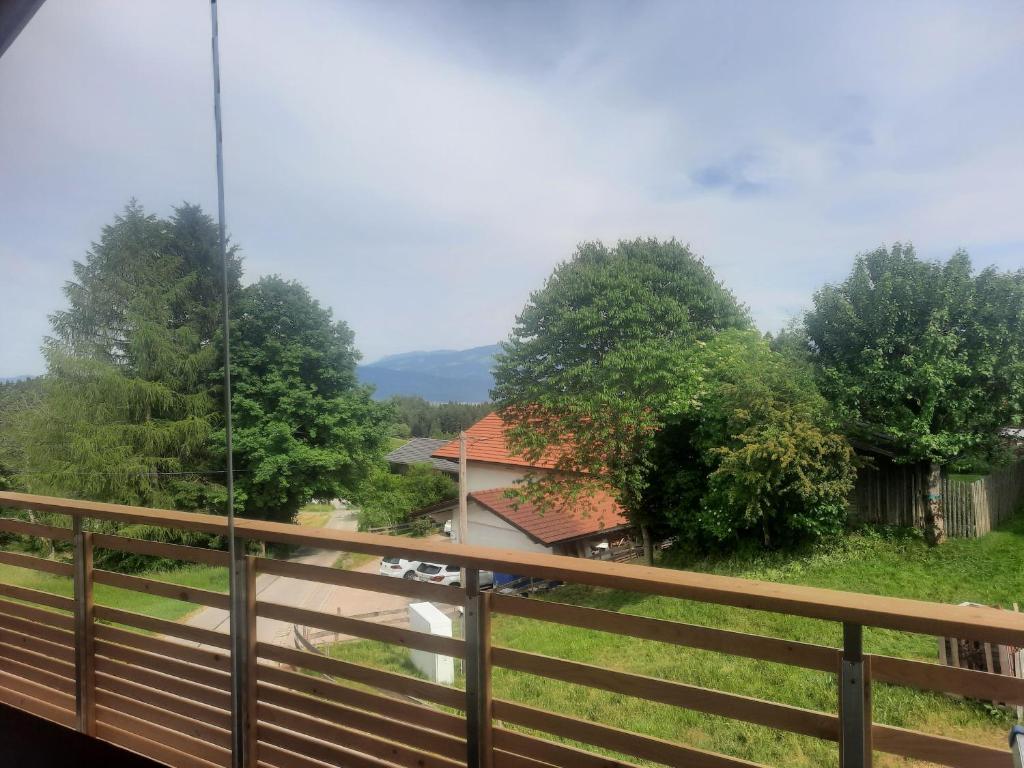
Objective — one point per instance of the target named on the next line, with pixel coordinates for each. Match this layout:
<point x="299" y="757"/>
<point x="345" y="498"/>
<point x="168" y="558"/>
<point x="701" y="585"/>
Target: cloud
<point x="423" y="166"/>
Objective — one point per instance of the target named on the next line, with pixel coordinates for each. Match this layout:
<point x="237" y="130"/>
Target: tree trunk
<point x="934" y="513"/>
<point x="645" y="533"/>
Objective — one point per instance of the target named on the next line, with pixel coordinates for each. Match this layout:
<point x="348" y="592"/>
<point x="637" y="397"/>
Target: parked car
<point x="448" y="575"/>
<point x="398" y="567"/>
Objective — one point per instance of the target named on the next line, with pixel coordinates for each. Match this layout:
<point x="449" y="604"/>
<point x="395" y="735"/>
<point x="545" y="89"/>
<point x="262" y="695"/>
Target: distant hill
<point x="13" y="379"/>
<point x="440" y="376"/>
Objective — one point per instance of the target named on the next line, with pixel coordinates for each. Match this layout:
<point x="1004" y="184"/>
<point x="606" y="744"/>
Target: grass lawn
<point x="200" y="576"/>
<point x="986" y="570"/>
<point x="397" y="442"/>
<point x="349" y="561"/>
<point x="315" y="515"/>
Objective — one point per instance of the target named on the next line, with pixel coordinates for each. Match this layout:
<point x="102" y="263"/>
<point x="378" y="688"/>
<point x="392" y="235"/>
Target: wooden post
<point x="250" y="698"/>
<point x="463" y="492"/>
<point x="479" y="742"/>
<point x="854" y="701"/>
<point x="85" y="657"/>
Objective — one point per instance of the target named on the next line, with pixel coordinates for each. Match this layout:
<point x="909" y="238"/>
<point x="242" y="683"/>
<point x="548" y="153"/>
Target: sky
<point x="423" y="166"/>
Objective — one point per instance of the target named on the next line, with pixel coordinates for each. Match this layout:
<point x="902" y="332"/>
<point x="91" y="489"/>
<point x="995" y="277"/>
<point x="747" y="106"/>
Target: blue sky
<point x="423" y="166"/>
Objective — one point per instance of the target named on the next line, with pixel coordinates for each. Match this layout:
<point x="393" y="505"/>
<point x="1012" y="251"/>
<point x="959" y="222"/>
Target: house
<point x="419" y="450"/>
<point x="497" y="519"/>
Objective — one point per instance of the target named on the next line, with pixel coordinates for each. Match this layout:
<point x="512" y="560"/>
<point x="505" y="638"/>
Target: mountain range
<point x="443" y="375"/>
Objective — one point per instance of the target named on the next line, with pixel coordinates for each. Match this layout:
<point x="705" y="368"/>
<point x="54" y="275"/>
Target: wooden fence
<point x="894" y="494"/>
<point x="167" y="690"/>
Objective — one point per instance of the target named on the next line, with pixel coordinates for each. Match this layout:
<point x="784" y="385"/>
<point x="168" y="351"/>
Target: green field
<point x="986" y="570"/>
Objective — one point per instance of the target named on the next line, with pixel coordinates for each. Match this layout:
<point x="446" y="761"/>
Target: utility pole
<point x="463" y="492"/>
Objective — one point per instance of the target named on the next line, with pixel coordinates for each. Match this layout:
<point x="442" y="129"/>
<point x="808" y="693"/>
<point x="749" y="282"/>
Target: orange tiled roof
<point x="591" y="514"/>
<point x="485" y="441"/>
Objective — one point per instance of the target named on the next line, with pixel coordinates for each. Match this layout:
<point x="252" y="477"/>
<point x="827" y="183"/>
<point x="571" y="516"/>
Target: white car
<point x="399" y="567"/>
<point x="448" y="575"/>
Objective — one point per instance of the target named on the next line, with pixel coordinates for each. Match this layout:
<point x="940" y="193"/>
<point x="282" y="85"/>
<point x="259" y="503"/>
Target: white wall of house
<point x="481" y="476"/>
<point x="486" y="529"/>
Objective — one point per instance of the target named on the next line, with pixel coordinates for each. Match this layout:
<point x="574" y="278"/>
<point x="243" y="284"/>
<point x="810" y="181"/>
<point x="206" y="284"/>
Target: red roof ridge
<point x="485" y="441"/>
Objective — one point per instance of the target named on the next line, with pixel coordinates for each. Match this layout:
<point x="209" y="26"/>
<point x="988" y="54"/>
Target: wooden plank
<point x="389" y="681"/>
<point x="200" y="693"/>
<point x="196" y="729"/>
<point x="269" y="756"/>
<point x="162" y="549"/>
<point x="163" y="627"/>
<point x="503" y="759"/>
<point x="42" y="661"/>
<point x="152" y="749"/>
<point x="54" y="651"/>
<point x="37" y="691"/>
<point x="546" y="751"/>
<point x="614" y="739"/>
<point x="420" y="590"/>
<point x="937" y="749"/>
<point x="419" y="738"/>
<point x="377" y="745"/>
<point x="164" y="647"/>
<point x="211" y="678"/>
<point x="38" y="615"/>
<point x="35" y="563"/>
<point x="408" y="638"/>
<point x="392" y="707"/>
<point x="249" y="682"/>
<point x="805" y="655"/>
<point x="20" y="700"/>
<point x="214" y="716"/>
<point x="318" y="750"/>
<point x="62" y="683"/>
<point x="925" y="676"/>
<point x="25" y="528"/>
<point x="782" y="716"/>
<point x="161" y="734"/>
<point x="36" y="629"/>
<point x="979" y="623"/>
<point x="37" y="596"/>
<point x="162" y="589"/>
<point x="85" y="649"/>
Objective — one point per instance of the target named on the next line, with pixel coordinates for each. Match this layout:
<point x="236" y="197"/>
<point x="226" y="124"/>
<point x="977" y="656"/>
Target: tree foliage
<point x="304" y="427"/>
<point x="751" y="451"/>
<point x="928" y="356"/>
<point x="386" y="498"/>
<point x="596" y="357"/>
<point x="417" y="417"/>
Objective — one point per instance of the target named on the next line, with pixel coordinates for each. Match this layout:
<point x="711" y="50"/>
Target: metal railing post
<point x="477" y="619"/>
<point x="85" y="658"/>
<point x="854" y="701"/>
<point x="243" y="617"/>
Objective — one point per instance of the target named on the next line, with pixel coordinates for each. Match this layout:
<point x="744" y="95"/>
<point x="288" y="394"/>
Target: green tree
<point x="303" y="426"/>
<point x="924" y="355"/>
<point x="597" y="355"/>
<point x="128" y="406"/>
<point x="751" y="452"/>
<point x="386" y="498"/>
<point x="426" y="419"/>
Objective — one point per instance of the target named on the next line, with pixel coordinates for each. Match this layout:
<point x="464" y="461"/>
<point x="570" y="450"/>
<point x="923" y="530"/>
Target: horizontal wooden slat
<point x="389" y="681"/>
<point x="938" y="677"/>
<point x="37" y="596"/>
<point x="804" y="721"/>
<point x="269" y="756"/>
<point x="148" y="748"/>
<point x="166" y="683"/>
<point x="161" y="549"/>
<point x="447" y="646"/>
<point x="61" y="682"/>
<point x="978" y="623"/>
<point x="160" y="734"/>
<point x="937" y="749"/>
<point x="39" y="692"/>
<point x="215" y="716"/>
<point x="54" y="651"/>
<point x="376" y="745"/>
<point x="39" y="659"/>
<point x="318" y="750"/>
<point x="189" y="726"/>
<point x="163" y="647"/>
<point x="35" y="563"/>
<point x="503" y="759"/>
<point x="614" y="739"/>
<point x="211" y="678"/>
<point x="38" y="615"/>
<point x="551" y="752"/>
<point x="36" y="629"/>
<point x="20" y="700"/>
<point x="389" y="706"/>
<point x="162" y="589"/>
<point x="691" y="635"/>
<point x="371" y="582"/>
<point x="163" y="627"/>
<point x="396" y="730"/>
<point x="25" y="528"/>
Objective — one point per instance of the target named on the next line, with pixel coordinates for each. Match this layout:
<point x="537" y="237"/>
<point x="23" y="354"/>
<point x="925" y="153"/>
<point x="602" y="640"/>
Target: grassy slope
<point x="987" y="570"/>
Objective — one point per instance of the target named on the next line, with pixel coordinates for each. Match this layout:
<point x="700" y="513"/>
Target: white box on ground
<point x="426" y="617"/>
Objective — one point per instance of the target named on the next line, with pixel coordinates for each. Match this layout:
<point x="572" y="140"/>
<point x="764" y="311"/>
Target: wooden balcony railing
<point x="163" y="688"/>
